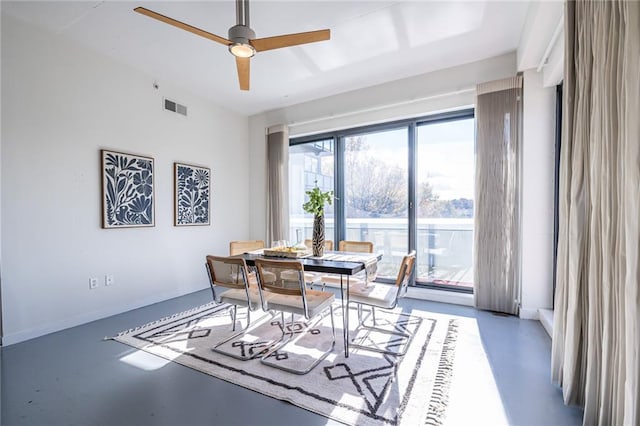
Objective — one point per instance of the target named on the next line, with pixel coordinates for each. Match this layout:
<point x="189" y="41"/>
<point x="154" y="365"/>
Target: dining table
<point x="345" y="264"/>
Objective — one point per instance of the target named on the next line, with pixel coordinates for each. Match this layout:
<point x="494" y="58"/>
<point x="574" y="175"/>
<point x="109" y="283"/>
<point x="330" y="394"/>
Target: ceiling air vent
<point x="172" y="106"/>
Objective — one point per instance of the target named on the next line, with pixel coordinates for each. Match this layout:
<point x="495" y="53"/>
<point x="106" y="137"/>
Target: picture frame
<point x="192" y="189"/>
<point x="128" y="199"/>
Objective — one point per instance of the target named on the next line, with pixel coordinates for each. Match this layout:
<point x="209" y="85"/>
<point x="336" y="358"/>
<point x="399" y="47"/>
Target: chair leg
<point x="266" y="345"/>
<point x="286" y="340"/>
<point x="363" y="326"/>
<point x="333" y="327"/>
<point x="233" y="317"/>
<point x="233" y="311"/>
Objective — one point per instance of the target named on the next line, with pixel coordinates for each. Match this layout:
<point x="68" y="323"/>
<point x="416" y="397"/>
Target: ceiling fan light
<point x="242" y="50"/>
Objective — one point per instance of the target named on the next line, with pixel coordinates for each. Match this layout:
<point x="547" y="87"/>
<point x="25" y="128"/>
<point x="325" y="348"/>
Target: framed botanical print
<point x="191" y="195"/>
<point x="127" y="190"/>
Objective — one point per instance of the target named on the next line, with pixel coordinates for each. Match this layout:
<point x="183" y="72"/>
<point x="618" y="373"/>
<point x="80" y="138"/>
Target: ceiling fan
<point x="242" y="42"/>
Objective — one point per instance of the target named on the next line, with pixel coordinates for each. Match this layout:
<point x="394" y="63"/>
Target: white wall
<point x="541" y="44"/>
<point x="541" y="47"/>
<point x="537" y="190"/>
<point x="544" y="18"/>
<point x="61" y="104"/>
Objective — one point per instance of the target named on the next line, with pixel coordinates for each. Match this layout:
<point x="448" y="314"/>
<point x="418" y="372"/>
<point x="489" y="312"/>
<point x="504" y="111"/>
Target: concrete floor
<point x="73" y="377"/>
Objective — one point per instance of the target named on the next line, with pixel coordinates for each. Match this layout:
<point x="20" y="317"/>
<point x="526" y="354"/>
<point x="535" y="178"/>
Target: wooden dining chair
<point x="289" y="294"/>
<point x="384" y="296"/>
<point x="328" y="244"/>
<point x="229" y="284"/>
<point x="314" y="278"/>
<point x="354" y="247"/>
<point x="239" y="247"/>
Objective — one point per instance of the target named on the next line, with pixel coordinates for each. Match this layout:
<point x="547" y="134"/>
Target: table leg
<point x="345" y="314"/>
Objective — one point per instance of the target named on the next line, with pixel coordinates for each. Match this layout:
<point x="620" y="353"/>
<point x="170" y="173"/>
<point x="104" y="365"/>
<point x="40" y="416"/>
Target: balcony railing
<point x="444" y="246"/>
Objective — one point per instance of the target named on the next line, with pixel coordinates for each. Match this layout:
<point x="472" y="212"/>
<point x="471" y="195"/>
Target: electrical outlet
<point x="108" y="280"/>
<point x="93" y="283"/>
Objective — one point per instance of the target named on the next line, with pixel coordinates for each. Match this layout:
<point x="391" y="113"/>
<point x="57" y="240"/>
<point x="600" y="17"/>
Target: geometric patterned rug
<point x="368" y="388"/>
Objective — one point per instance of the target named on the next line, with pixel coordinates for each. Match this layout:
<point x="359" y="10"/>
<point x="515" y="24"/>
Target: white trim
<point x="531" y="314"/>
<point x="546" y="318"/>
<point x="32" y="333"/>
<point x="466" y="90"/>
<point x="553" y="71"/>
<point x="552" y="43"/>
<point x="443" y="296"/>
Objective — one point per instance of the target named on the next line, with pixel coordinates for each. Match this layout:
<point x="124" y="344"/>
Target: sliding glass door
<point x="404" y="186"/>
<point x="445" y="185"/>
<point x="376" y="194"/>
<point x="310" y="164"/>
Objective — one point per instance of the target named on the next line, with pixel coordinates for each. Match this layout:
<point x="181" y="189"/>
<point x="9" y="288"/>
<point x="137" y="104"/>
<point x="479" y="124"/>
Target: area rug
<point x="367" y="388"/>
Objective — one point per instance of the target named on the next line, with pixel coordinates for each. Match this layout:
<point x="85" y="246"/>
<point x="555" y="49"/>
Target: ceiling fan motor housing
<point x="241" y="34"/>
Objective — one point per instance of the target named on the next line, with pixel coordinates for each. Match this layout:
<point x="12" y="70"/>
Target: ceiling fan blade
<point x="269" y="43"/>
<point x="243" y="65"/>
<point x="182" y="25"/>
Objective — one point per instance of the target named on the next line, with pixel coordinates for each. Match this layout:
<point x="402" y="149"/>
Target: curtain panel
<point x="596" y="342"/>
<point x="497" y="195"/>
<point x="277" y="184"/>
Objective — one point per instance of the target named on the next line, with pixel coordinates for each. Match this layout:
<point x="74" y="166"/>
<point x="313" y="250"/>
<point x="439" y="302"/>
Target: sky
<point x="445" y="155"/>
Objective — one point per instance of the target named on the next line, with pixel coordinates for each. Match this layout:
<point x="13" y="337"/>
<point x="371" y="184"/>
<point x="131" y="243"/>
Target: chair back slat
<point x="328" y="244"/>
<point x="356" y="246"/>
<point x="285" y="277"/>
<point x="404" y="275"/>
<point x="227" y="272"/>
<point x="239" y="247"/>
<point x="281" y="276"/>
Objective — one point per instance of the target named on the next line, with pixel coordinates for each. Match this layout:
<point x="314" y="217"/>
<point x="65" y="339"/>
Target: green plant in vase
<point x="317" y="201"/>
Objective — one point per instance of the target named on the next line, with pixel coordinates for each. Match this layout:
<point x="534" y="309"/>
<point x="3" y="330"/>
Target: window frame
<point x="411" y="124"/>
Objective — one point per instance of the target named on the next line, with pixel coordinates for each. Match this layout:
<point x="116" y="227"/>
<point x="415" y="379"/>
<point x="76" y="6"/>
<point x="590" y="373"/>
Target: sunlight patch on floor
<point x="473" y="393"/>
<point x="145" y="361"/>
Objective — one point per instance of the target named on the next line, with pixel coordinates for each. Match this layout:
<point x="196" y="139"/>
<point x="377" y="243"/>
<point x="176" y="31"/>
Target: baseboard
<point x="546" y="319"/>
<point x="443" y="296"/>
<point x="531" y="314"/>
<point x="32" y="333"/>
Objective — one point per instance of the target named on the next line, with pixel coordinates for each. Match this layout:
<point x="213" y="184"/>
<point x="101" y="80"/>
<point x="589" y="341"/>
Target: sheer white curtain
<point x="497" y="195"/>
<point x="596" y="336"/>
<point x="277" y="183"/>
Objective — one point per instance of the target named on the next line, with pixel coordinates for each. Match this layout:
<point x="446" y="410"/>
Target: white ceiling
<point x="372" y="42"/>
